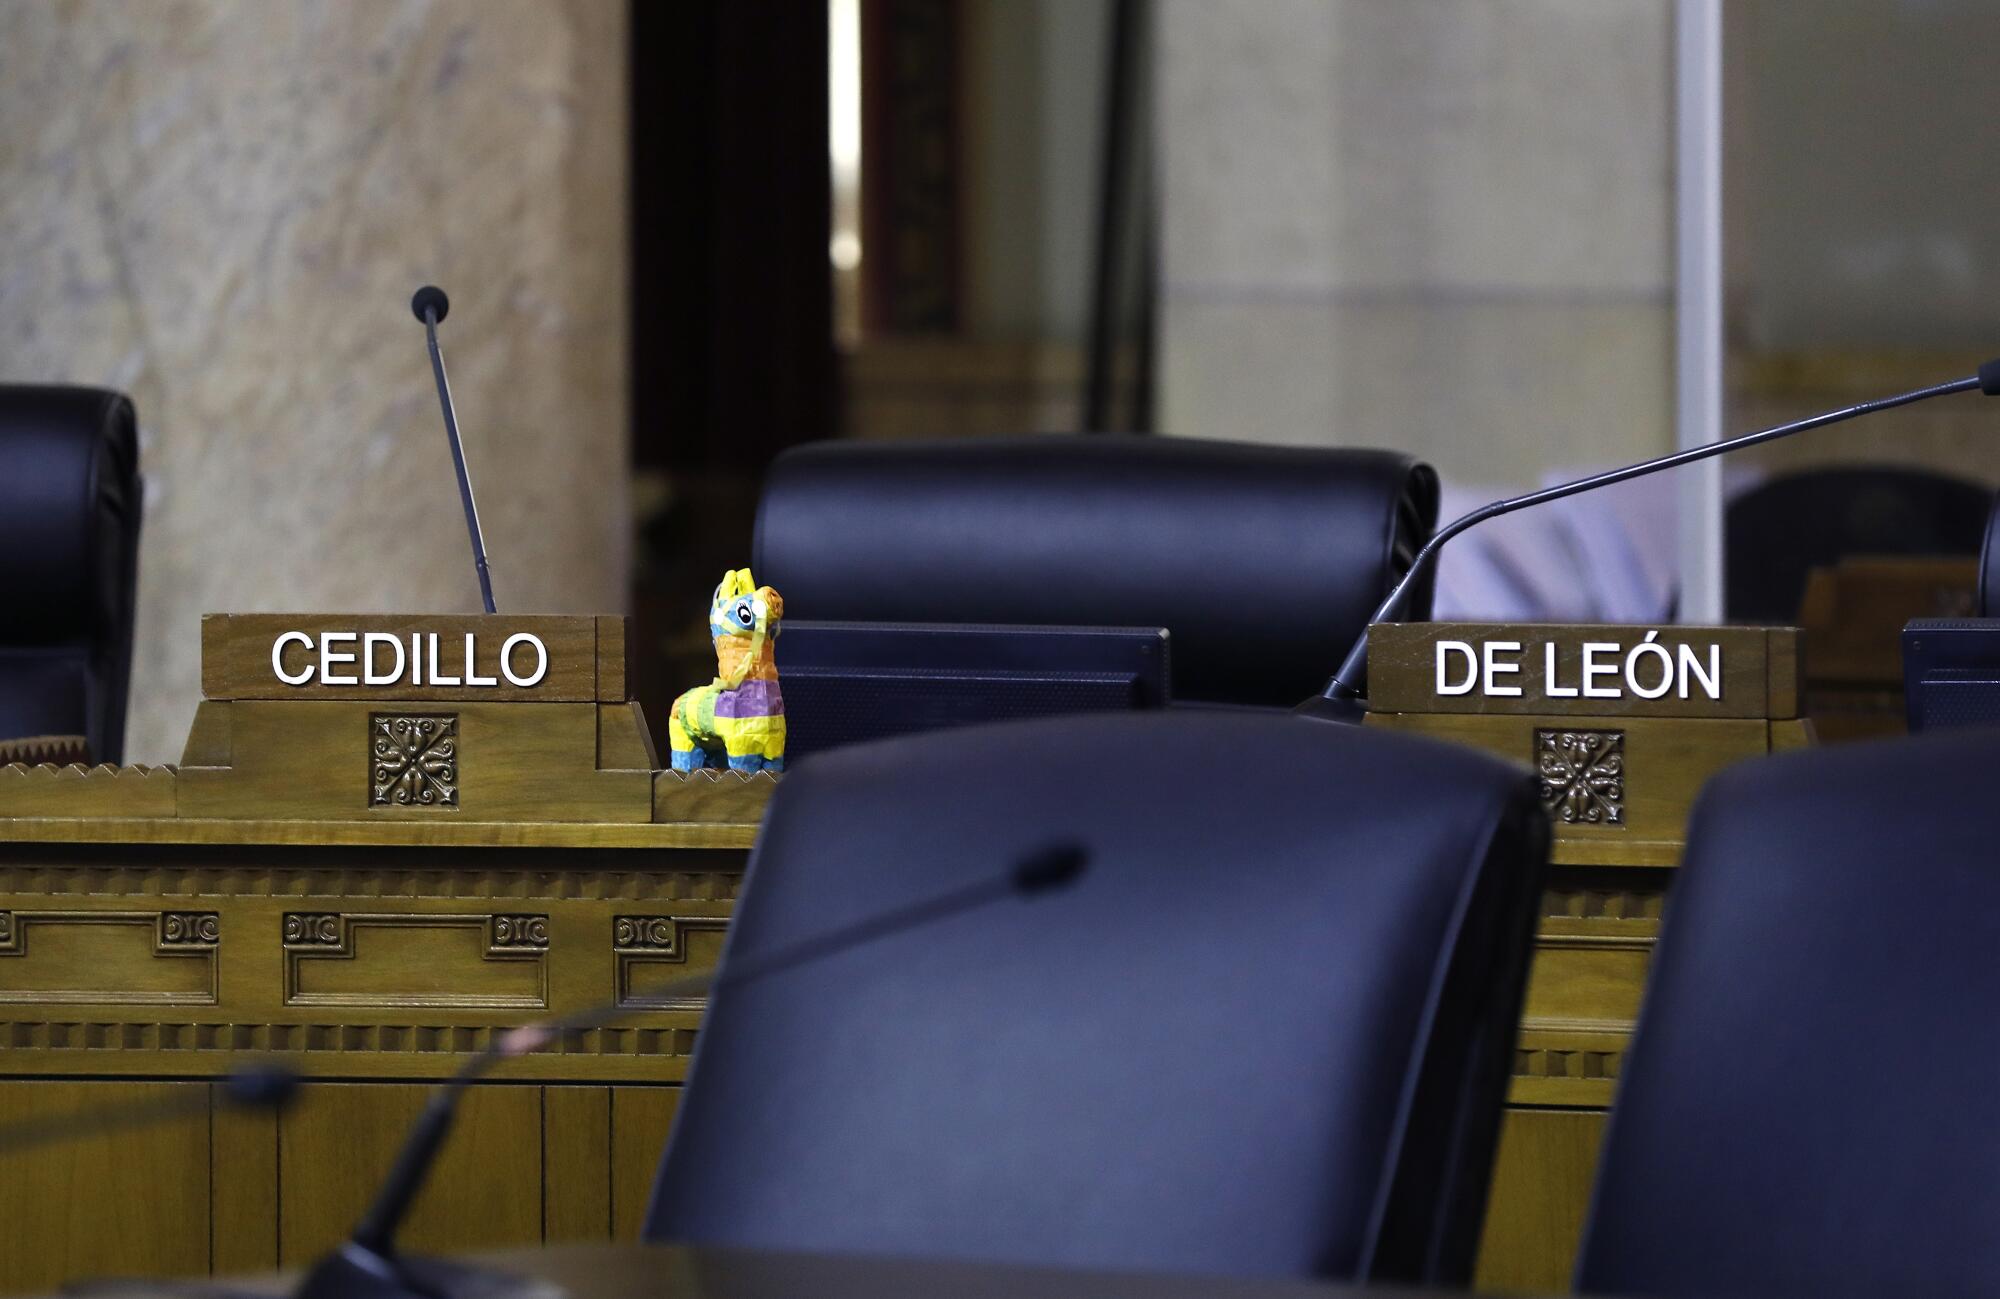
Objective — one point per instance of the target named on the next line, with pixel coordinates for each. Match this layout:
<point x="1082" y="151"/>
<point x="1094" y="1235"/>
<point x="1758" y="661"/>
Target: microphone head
<point x="1052" y="867"/>
<point x="261" y="1087"/>
<point x="1989" y="378"/>
<point x="430" y="299"/>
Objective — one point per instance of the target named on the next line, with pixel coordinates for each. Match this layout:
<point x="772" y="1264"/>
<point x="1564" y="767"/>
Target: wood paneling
<point x="1541" y="1187"/>
<point x="511" y="762"/>
<point x="641" y="1118"/>
<point x="338" y="1142"/>
<point x="576" y="1164"/>
<point x="244" y="1192"/>
<point x="127" y="1203"/>
<point x="1666" y="761"/>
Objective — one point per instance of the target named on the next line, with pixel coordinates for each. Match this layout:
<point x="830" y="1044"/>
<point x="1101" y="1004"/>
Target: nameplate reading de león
<point x="1593" y="669"/>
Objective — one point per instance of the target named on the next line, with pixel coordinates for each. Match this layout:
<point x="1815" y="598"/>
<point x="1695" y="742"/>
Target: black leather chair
<point x="1263" y="562"/>
<point x="1778" y="532"/>
<point x="69" y="531"/>
<point x="1809" y="1105"/>
<point x="1266" y="1032"/>
<point x="1987" y="598"/>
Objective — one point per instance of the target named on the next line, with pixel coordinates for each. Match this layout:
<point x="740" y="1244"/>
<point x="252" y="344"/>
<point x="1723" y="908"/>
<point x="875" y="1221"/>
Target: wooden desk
<point x="675" y="1272"/>
<point x="161" y="926"/>
<point x="678" y="1272"/>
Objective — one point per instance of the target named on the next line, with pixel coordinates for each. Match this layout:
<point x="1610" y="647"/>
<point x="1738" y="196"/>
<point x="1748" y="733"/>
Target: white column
<point x="1698" y="299"/>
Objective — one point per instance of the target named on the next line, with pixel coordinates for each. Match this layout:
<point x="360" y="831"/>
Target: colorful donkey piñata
<point x="740" y="714"/>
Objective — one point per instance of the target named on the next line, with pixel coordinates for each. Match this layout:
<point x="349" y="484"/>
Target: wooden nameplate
<point x="1622" y="724"/>
<point x="424" y="720"/>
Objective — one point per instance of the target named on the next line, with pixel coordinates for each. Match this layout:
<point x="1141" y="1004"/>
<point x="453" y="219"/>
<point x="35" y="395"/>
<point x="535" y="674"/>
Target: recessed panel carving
<point x="108" y="957"/>
<point x="413" y="959"/>
<point x="654" y="954"/>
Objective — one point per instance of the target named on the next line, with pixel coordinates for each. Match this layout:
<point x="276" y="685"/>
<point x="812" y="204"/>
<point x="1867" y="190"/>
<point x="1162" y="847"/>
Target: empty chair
<point x="1779" y="531"/>
<point x="1262" y="562"/>
<point x="1267" y="1031"/>
<point x="69" y="528"/>
<point x="1809" y="1104"/>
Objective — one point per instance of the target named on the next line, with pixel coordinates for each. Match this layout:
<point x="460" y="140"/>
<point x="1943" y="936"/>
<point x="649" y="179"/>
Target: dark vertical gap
<point x="1117" y="151"/>
<point x="211" y="1179"/>
<point x="611" y="1164"/>
<point x="732" y="299"/>
<point x="1145" y="327"/>
<point x="912" y="278"/>
<point x="278" y="1188"/>
<point x="542" y="1100"/>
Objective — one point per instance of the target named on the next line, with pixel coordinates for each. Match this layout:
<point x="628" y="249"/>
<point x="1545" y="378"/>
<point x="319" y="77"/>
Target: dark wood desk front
<point x="679" y="1272"/>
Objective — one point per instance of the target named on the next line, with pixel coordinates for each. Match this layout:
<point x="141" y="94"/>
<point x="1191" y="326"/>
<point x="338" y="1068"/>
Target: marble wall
<point x="222" y="207"/>
<point x="1443" y="226"/>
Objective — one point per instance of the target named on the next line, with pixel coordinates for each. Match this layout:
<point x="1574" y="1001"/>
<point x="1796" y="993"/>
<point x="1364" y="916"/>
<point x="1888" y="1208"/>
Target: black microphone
<point x="1344" y="699"/>
<point x="367" y="1265"/>
<point x="430" y="305"/>
<point x="259" y="1087"/>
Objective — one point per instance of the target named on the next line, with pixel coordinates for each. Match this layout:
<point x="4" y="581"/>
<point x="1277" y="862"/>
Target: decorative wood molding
<point x="401" y="1038"/>
<point x="1583" y="902"/>
<point x="645" y="934"/>
<point x="1582" y="775"/>
<point x="190" y="929"/>
<point x="640" y="943"/>
<point x="1557" y="1062"/>
<point x="511" y="932"/>
<point x="582" y="885"/>
<point x="109" y="970"/>
<point x="395" y="977"/>
<point x="413" y="760"/>
<point x="712" y="796"/>
<point x="1583" y="1079"/>
<point x="55" y="750"/>
<point x="314" y="929"/>
<point x="47" y="790"/>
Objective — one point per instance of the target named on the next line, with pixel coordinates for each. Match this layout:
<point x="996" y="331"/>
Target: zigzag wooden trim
<point x="349" y="883"/>
<point x="404" y="1039"/>
<point x="61" y="750"/>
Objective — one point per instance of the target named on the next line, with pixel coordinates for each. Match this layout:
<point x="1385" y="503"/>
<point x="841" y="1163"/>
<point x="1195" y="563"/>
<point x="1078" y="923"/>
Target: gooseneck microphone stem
<point x="431" y="306"/>
<point x="1345" y="690"/>
<point x="367" y="1264"/>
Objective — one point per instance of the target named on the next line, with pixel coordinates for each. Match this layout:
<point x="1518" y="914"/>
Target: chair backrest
<point x="1266" y="1032"/>
<point x="1262" y="562"/>
<point x="1809" y="1106"/>
<point x="1779" y="531"/>
<point x="69" y="528"/>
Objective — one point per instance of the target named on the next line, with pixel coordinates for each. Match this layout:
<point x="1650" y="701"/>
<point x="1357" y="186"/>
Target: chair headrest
<point x="69" y="497"/>
<point x="1263" y="562"/>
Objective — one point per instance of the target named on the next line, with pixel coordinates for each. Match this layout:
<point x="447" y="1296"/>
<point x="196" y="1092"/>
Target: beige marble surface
<point x="222" y="207"/>
<point x="1439" y="226"/>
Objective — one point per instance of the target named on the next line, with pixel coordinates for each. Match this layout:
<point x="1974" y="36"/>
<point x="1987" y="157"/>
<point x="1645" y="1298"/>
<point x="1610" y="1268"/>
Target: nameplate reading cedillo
<point x="481" y="657"/>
